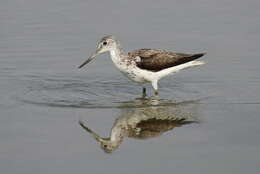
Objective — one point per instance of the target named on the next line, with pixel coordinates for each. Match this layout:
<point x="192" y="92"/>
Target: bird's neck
<point x="117" y="55"/>
<point x="117" y="134"/>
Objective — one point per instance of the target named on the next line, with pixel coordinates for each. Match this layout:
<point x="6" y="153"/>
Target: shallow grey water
<point x="44" y="95"/>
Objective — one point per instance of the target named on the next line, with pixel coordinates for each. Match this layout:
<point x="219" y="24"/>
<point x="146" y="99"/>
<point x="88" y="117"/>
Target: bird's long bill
<point x="96" y="136"/>
<point x="88" y="60"/>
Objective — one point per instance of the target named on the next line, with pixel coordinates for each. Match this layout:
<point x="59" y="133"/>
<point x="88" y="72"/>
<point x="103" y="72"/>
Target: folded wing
<point x="157" y="60"/>
<point x="155" y="127"/>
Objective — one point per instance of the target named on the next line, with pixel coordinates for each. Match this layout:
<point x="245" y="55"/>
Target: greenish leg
<point x="144" y="92"/>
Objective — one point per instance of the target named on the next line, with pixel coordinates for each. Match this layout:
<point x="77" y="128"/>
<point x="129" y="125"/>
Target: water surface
<point x="43" y="95"/>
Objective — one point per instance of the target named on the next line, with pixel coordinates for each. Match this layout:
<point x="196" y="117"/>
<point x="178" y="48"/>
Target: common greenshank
<point x="145" y="65"/>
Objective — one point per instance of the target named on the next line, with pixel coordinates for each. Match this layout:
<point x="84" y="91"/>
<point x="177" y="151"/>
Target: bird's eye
<point x="105" y="43"/>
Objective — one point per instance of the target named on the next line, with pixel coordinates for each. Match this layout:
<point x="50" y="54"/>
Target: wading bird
<point x="145" y="65"/>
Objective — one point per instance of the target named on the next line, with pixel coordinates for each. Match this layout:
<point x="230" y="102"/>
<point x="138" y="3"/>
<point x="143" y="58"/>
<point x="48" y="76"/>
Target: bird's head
<point x="106" y="44"/>
<point x="106" y="144"/>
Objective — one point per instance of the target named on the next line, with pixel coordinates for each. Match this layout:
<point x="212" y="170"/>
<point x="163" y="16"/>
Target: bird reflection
<point x="143" y="119"/>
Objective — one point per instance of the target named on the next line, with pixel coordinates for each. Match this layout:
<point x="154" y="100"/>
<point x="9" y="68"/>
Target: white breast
<point x="129" y="69"/>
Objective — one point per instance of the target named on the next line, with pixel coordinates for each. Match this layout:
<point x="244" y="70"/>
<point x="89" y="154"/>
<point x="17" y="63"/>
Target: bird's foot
<point x="155" y="96"/>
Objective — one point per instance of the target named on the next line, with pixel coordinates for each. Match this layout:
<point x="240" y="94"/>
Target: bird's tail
<point x="188" y="65"/>
<point x="179" y="67"/>
<point x="196" y="63"/>
<point x="196" y="56"/>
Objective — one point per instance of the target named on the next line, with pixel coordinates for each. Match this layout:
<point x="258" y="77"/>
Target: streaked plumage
<point x="145" y="65"/>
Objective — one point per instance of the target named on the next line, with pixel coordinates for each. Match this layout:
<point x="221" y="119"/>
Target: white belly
<point x="133" y="73"/>
<point x="136" y="76"/>
<point x="129" y="70"/>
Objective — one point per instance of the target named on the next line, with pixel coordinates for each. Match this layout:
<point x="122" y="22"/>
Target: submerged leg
<point x="155" y="86"/>
<point x="144" y="92"/>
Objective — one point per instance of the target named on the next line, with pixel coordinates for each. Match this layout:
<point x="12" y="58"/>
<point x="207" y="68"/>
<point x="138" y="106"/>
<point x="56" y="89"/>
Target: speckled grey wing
<point x="155" y="127"/>
<point x="157" y="60"/>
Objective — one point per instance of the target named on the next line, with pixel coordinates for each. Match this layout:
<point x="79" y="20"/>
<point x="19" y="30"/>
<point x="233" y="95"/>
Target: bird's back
<point x="156" y="60"/>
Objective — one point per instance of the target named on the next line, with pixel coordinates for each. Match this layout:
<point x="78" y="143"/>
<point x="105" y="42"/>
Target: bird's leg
<point x="144" y="92"/>
<point x="155" y="86"/>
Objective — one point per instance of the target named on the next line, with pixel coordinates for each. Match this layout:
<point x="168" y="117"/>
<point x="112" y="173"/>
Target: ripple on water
<point x="77" y="92"/>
